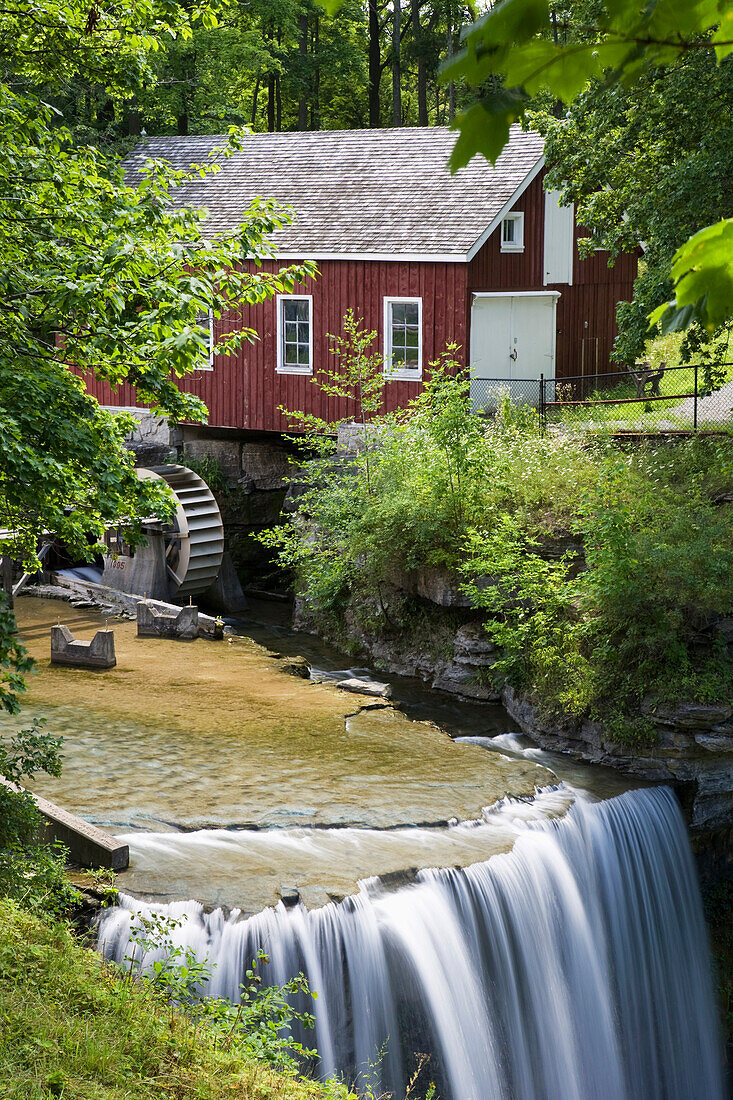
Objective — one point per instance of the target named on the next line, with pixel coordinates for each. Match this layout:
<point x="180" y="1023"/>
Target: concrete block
<point x="143" y="574"/>
<point x="88" y="845"/>
<point x="152" y="623"/>
<point x="109" y="599"/>
<point x="225" y="595"/>
<point x="98" y="653"/>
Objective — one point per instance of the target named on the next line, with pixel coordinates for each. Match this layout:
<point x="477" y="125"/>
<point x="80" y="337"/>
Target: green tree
<point x="512" y="55"/>
<point x="98" y="275"/>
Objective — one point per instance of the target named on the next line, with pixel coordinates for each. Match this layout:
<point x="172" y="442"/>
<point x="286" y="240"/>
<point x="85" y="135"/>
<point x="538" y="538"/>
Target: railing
<point x="645" y="400"/>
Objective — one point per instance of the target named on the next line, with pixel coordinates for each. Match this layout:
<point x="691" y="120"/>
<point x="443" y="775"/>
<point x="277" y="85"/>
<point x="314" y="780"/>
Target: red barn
<point x="485" y="259"/>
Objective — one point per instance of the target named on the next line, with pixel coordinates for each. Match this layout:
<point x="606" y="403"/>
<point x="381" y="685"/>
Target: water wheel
<point x="195" y="543"/>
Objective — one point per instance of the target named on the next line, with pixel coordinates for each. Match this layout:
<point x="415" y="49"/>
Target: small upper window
<point x="403" y="337"/>
<point x="512" y="233"/>
<point x="295" y="334"/>
<point x="205" y="322"/>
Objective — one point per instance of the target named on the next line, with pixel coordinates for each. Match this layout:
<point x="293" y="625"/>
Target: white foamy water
<point x="574" y="967"/>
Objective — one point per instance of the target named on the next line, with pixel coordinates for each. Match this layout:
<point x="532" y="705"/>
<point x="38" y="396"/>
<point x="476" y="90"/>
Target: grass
<point x="70" y="1027"/>
<point x="675" y="383"/>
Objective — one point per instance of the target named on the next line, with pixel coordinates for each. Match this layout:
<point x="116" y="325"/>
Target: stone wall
<point x="254" y="480"/>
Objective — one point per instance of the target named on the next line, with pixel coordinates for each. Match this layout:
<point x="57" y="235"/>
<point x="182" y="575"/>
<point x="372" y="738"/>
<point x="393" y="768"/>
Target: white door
<point x="512" y="344"/>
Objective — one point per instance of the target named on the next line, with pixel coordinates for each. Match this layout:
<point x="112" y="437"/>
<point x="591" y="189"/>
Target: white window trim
<point x="207" y="363"/>
<point x="517" y="216"/>
<point x="291" y="368"/>
<point x="402" y="374"/>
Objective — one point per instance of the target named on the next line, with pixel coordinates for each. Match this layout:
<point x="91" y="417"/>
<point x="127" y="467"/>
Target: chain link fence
<point x="697" y="397"/>
<point x="488" y="393"/>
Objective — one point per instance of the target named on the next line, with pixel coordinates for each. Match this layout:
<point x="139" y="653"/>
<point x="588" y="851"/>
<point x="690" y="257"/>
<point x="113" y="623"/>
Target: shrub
<point x="600" y="570"/>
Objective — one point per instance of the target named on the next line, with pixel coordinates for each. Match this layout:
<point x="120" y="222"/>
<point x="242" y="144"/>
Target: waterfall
<point x="574" y="967"/>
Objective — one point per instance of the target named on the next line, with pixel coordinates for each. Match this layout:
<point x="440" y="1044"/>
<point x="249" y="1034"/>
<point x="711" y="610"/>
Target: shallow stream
<point x="231" y="779"/>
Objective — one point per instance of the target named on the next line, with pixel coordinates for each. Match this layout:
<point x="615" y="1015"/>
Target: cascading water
<point x="574" y="967"/>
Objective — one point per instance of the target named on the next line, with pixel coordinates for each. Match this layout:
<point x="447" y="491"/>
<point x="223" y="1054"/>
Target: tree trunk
<point x="255" y="96"/>
<point x="451" y="86"/>
<point x="303" y="57"/>
<point x="396" y="82"/>
<point x="375" y="64"/>
<point x="271" y="102"/>
<point x="316" y="72"/>
<point x="422" y="78"/>
<point x="8" y="579"/>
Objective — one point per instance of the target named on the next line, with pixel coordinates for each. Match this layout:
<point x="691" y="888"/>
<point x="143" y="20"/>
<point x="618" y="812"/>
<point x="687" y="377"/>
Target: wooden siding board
<point x="244" y="390"/>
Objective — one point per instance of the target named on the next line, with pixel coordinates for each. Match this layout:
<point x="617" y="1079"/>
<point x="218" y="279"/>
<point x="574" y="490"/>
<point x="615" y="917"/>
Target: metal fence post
<point x="694" y="415"/>
<point x="542" y="404"/>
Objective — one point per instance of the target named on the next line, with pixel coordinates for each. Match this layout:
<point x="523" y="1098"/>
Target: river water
<point x="536" y="927"/>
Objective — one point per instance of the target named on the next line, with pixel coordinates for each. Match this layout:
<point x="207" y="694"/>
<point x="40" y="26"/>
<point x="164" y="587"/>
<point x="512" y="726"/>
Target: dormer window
<point x="512" y="233"/>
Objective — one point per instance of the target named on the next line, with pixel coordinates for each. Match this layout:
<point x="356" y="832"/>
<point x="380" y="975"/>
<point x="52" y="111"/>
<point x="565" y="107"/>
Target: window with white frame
<point x="205" y="322"/>
<point x="403" y="337"/>
<point x="512" y="233"/>
<point x="295" y="334"/>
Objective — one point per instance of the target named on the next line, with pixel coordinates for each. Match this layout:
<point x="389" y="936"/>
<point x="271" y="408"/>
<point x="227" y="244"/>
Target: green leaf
<point x="484" y="127"/>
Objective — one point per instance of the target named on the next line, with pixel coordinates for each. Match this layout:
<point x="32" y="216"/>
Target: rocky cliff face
<point x="692" y="745"/>
<point x="693" y="751"/>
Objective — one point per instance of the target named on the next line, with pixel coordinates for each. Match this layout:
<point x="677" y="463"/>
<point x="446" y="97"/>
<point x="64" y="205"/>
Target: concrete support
<point x="143" y="574"/>
<point x="225" y="595"/>
<point x="152" y="623"/>
<point x="88" y="845"/>
<point x="98" y="653"/>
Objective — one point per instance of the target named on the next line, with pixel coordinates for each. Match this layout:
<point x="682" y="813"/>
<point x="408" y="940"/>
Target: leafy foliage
<point x="72" y="1026"/>
<point x="601" y="573"/>
<point x="611" y="58"/>
<point x="259" y="1026"/>
<point x="31" y="871"/>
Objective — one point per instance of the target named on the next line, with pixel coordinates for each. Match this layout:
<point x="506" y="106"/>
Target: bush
<point x="600" y="571"/>
<point x="71" y="1027"/>
<point x="31" y="871"/>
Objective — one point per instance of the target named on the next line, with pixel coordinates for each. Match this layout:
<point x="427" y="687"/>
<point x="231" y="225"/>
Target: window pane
<point x="303" y="355"/>
<point x="291" y="353"/>
<point x="509" y="230"/>
<point x="411" y="313"/>
<point x="295" y="309"/>
<point x="398" y="313"/>
<point x="411" y="338"/>
<point x="303" y="333"/>
<point x="411" y="357"/>
<point x="398" y="357"/>
<point x="291" y="331"/>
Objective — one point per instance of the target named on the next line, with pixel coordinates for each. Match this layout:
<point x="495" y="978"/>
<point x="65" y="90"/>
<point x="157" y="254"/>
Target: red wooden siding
<point x="244" y="390"/>
<point x="586" y="311"/>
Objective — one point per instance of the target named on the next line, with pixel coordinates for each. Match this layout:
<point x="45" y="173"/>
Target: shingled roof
<point x="358" y="193"/>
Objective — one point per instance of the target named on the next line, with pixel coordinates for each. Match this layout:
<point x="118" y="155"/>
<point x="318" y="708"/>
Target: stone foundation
<point x="254" y="477"/>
